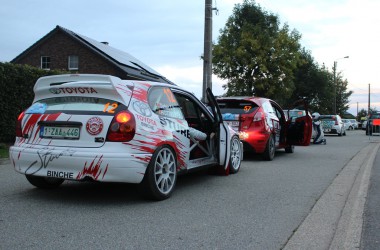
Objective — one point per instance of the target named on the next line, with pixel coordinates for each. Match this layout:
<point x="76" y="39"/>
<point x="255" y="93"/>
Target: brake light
<point x="18" y="124"/>
<point x="122" y="128"/>
<point x="260" y="115"/>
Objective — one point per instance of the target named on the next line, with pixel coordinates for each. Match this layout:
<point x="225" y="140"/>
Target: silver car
<point x="333" y="124"/>
<point x="348" y="125"/>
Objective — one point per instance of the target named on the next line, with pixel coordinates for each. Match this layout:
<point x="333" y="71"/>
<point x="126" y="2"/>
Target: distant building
<point x="62" y="49"/>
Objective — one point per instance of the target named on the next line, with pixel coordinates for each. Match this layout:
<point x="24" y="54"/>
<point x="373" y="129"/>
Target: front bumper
<point x="106" y="164"/>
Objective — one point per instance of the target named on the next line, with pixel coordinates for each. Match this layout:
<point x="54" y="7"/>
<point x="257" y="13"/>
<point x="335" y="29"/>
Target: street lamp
<point x="334" y="70"/>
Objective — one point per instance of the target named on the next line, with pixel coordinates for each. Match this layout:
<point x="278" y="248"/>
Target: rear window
<point x="237" y="107"/>
<point x="329" y="117"/>
<point x="375" y="116"/>
<point x="74" y="104"/>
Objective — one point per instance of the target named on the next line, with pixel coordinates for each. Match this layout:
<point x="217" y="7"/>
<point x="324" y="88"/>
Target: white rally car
<point x="102" y="128"/>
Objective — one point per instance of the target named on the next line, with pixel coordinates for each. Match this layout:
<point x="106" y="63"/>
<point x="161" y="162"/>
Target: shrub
<point x="16" y="94"/>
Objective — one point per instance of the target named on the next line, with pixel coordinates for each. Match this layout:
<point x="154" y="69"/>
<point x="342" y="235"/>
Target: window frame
<point x="45" y="64"/>
<point x="70" y="62"/>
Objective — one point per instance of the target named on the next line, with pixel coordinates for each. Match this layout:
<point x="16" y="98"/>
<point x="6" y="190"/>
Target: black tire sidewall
<point x="149" y="184"/>
<point x="233" y="170"/>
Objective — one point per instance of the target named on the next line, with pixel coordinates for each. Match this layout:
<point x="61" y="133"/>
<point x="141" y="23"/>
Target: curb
<point x="335" y="221"/>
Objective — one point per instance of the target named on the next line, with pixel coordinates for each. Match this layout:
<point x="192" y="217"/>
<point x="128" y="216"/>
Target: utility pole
<point x="207" y="55"/>
<point x="369" y="97"/>
<point x="334" y="105"/>
<point x="357" y="110"/>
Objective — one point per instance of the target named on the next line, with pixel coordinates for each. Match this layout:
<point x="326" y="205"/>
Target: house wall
<point x="59" y="47"/>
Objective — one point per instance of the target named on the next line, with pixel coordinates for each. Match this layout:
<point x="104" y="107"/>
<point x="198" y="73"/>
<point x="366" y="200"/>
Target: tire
<point x="44" y="182"/>
<point x="344" y="133"/>
<point x="161" y="175"/>
<point x="235" y="155"/>
<point x="270" y="149"/>
<point x="289" y="149"/>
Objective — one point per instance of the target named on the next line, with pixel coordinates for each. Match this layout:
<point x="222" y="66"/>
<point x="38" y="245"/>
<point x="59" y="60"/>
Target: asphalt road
<point x="258" y="208"/>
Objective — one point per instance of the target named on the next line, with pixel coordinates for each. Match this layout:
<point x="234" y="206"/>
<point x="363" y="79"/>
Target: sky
<point x="168" y="35"/>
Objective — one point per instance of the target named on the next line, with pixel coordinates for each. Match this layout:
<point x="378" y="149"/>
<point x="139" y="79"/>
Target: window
<point x="163" y="102"/>
<point x="73" y="62"/>
<point x="45" y="62"/>
<point x="237" y="107"/>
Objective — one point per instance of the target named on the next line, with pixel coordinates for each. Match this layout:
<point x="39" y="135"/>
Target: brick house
<point x="64" y="49"/>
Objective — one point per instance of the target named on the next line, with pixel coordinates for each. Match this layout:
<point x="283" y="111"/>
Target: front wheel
<point x="270" y="149"/>
<point x="44" y="182"/>
<point x="161" y="174"/>
<point x="235" y="155"/>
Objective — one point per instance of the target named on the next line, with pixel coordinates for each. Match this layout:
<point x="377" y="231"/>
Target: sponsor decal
<point x="142" y="108"/>
<point x="45" y="157"/>
<point x="93" y="170"/>
<point x="60" y="174"/>
<point x="94" y="126"/>
<point x="171" y="124"/>
<point x="71" y="90"/>
<point x="36" y="108"/>
<point x="146" y="122"/>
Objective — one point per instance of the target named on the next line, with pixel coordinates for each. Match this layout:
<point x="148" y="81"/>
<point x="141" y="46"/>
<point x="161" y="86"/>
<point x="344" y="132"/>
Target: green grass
<point x="4" y="150"/>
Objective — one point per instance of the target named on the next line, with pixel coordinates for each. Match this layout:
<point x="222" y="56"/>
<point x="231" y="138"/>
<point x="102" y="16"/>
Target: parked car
<point x="348" y="124"/>
<point x="364" y="125"/>
<point x="354" y="123"/>
<point x="262" y="125"/>
<point x="333" y="124"/>
<point x="102" y="128"/>
<point x="373" y="125"/>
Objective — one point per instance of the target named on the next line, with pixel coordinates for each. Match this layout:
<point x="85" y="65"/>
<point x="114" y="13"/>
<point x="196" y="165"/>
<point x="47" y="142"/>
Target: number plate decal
<point x="56" y="132"/>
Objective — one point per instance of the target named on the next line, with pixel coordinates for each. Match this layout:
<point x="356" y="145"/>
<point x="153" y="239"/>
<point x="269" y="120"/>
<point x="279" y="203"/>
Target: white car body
<point x="68" y="131"/>
<point x="348" y="125"/>
<point x="333" y="124"/>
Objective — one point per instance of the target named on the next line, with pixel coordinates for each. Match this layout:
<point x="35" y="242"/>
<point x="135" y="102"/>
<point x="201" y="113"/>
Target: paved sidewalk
<point x="335" y="221"/>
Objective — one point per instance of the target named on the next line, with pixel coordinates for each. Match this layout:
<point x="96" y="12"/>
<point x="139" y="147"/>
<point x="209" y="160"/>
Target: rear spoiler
<point x="90" y="85"/>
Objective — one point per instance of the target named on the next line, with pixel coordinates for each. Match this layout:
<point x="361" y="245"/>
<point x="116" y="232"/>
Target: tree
<point x="362" y="114"/>
<point x="255" y="55"/>
<point x="342" y="95"/>
<point x="313" y="84"/>
<point x="16" y="84"/>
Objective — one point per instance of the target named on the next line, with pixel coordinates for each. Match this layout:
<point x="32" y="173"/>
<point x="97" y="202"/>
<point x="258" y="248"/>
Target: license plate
<point x="234" y="125"/>
<point x="59" y="132"/>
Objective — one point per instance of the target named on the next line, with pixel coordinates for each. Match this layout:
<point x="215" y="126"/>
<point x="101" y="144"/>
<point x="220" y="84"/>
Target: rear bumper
<point x="106" y="164"/>
<point x="256" y="142"/>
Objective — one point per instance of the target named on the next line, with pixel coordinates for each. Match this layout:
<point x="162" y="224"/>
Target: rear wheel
<point x="44" y="182"/>
<point x="161" y="174"/>
<point x="270" y="149"/>
<point x="235" y="155"/>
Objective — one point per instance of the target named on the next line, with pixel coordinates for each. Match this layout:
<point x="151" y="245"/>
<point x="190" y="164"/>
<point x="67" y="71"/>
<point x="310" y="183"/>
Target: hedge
<point x="16" y="94"/>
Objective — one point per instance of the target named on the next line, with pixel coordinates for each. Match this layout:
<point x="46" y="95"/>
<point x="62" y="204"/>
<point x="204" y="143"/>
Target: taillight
<point x="122" y="128"/>
<point x="260" y="115"/>
<point x="18" y="125"/>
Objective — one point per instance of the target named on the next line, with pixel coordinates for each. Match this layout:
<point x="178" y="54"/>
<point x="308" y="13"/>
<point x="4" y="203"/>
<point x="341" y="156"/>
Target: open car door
<point x="298" y="130"/>
<point x="222" y="136"/>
